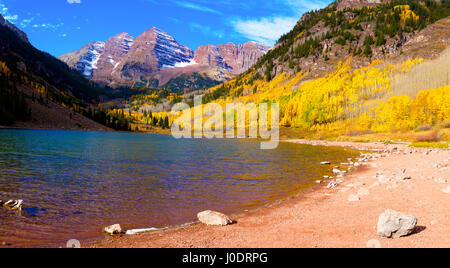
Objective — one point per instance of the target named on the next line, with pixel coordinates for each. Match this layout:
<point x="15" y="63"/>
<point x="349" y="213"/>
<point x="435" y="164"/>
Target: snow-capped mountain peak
<point x="169" y="52"/>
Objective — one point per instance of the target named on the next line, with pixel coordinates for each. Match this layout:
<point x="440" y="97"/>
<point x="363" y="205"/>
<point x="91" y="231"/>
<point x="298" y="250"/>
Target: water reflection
<point x="74" y="183"/>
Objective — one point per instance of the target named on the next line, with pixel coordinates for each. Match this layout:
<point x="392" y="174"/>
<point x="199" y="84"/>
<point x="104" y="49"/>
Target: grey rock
<point x="394" y="224"/>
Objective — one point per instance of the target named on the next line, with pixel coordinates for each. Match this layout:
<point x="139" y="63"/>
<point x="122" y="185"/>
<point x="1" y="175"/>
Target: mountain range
<point x="154" y="58"/>
<point x="39" y="91"/>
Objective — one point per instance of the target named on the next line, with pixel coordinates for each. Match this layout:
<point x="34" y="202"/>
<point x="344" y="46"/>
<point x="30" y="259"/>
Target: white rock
<point x="394" y="224"/>
<point x="325" y="163"/>
<point x="353" y="198"/>
<point x="209" y="217"/>
<point x="334" y="183"/>
<point x="113" y="229"/>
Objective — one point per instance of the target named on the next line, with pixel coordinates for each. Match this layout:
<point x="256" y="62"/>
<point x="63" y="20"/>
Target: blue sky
<point x="61" y="26"/>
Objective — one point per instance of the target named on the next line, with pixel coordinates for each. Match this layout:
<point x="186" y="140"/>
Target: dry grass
<point x="424" y="128"/>
<point x="445" y="124"/>
<point x="441" y="145"/>
<point x="431" y="136"/>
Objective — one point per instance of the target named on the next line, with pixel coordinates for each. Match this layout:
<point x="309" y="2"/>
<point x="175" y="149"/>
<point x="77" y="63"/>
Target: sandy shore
<point x="323" y="217"/>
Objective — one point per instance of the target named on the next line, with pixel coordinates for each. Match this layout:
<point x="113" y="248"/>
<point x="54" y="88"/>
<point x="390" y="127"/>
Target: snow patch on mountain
<point x="125" y="42"/>
<point x="170" y="53"/>
<point x="181" y="64"/>
<point x="88" y="62"/>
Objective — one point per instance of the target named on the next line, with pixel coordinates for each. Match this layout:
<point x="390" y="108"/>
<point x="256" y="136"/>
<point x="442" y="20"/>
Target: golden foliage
<point x="345" y="101"/>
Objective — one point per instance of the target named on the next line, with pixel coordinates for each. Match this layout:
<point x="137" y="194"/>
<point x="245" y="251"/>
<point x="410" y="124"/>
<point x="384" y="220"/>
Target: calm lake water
<point x="75" y="183"/>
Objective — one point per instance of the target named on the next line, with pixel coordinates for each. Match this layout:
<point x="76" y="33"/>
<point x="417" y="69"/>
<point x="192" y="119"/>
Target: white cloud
<point x="74" y="1"/>
<point x="11" y="18"/>
<point x="206" y="30"/>
<point x="268" y="30"/>
<point x="8" y="16"/>
<point x="197" y="7"/>
<point x="49" y="26"/>
<point x="300" y="6"/>
<point x="264" y="30"/>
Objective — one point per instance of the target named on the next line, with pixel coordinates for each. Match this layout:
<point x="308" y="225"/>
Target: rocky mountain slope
<point x="362" y="29"/>
<point x="13" y="28"/>
<point x="39" y="91"/>
<point x="155" y="58"/>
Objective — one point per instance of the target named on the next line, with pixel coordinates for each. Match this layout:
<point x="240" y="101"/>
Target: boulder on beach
<point x="113" y="229"/>
<point x="209" y="217"/>
<point x="394" y="224"/>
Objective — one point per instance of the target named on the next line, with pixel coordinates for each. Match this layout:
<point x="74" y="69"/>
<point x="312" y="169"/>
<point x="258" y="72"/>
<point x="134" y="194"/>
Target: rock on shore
<point x="394" y="224"/>
<point x="209" y="217"/>
<point x="113" y="229"/>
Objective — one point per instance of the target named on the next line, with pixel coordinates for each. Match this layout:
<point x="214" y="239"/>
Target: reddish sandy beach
<point x="323" y="217"/>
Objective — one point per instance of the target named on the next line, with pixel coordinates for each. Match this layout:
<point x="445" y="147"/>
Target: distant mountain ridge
<point x="155" y="58"/>
<point x="39" y="91"/>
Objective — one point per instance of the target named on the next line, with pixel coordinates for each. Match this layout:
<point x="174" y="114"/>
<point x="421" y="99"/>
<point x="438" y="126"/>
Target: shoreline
<point x="322" y="217"/>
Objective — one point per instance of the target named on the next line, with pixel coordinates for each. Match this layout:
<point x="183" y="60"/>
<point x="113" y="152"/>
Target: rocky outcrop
<point x="344" y="4"/>
<point x="230" y="57"/>
<point x="394" y="224"/>
<point x="211" y="56"/>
